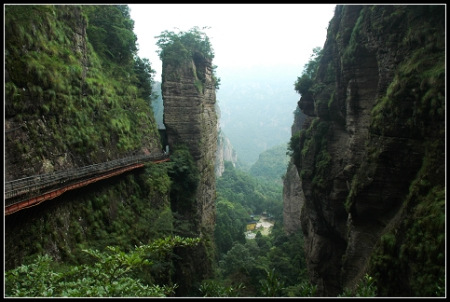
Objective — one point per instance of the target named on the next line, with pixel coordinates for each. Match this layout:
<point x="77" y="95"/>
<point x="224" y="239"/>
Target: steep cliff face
<point x="188" y="91"/>
<point x="225" y="152"/>
<point x="68" y="105"/>
<point x="293" y="196"/>
<point x="63" y="109"/>
<point x="293" y="199"/>
<point x="372" y="158"/>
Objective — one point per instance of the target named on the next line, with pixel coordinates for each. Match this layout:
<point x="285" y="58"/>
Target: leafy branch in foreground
<point x="365" y="288"/>
<point x="110" y="276"/>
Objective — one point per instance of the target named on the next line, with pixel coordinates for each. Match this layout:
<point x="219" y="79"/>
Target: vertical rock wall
<point x="372" y="120"/>
<point x="225" y="152"/>
<point x="190" y="119"/>
<point x="293" y="196"/>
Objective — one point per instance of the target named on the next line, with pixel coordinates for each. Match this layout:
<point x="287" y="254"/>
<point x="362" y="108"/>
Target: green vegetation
<point x="129" y="211"/>
<point x="183" y="47"/>
<point x="179" y="47"/>
<point x="81" y="95"/>
<point x="109" y="273"/>
<point x="413" y="107"/>
<point x="308" y="148"/>
<point x="416" y="95"/>
<point x="185" y="177"/>
<point x="76" y="98"/>
<point x="417" y="246"/>
<point x="365" y="288"/>
<point x="211" y="288"/>
<point x="231" y="221"/>
<point x="271" y="165"/>
<point x="134" y="210"/>
<point x="305" y="83"/>
<point x="238" y="196"/>
<point x="87" y="97"/>
<point x="350" y="53"/>
<point x="255" y="195"/>
<point x="266" y="266"/>
<point x="110" y="32"/>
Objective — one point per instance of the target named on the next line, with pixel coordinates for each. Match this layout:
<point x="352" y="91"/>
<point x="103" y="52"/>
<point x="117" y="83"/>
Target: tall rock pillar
<point x="189" y="96"/>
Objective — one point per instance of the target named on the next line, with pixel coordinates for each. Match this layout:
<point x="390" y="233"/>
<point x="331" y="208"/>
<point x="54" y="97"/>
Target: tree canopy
<point x="176" y="47"/>
<point x="305" y="81"/>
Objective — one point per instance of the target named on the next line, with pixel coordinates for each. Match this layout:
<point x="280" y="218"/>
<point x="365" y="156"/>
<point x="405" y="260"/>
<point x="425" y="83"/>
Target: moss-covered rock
<point x="374" y="179"/>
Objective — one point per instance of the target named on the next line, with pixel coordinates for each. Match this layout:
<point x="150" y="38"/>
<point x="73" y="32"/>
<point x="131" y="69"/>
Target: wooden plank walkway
<point x="31" y="191"/>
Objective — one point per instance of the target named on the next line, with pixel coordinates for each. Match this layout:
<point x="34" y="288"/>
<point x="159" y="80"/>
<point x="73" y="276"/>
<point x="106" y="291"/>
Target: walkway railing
<point x="35" y="185"/>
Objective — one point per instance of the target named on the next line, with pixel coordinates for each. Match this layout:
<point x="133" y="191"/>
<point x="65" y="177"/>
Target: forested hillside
<point x="265" y="266"/>
<point x="271" y="164"/>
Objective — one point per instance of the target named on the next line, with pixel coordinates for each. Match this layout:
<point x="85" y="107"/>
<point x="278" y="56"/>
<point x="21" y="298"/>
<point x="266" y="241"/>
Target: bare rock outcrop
<point x="293" y="200"/>
<point x="225" y="152"/>
<point x="190" y="119"/>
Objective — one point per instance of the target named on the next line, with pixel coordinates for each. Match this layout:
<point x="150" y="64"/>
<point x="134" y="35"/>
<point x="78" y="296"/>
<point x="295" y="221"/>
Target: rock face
<point x="293" y="199"/>
<point x="64" y="109"/>
<point x="55" y="119"/>
<point x="22" y="164"/>
<point x="190" y="119"/>
<point x="225" y="152"/>
<point x="293" y="196"/>
<point x="377" y="116"/>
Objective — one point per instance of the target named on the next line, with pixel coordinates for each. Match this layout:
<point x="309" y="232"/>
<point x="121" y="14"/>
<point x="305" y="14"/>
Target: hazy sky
<point x="242" y="35"/>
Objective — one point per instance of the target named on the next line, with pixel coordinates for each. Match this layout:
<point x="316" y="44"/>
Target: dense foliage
<point x="183" y="47"/>
<point x="109" y="273"/>
<point x="255" y="195"/>
<point x="271" y="165"/>
<point x="305" y="82"/>
<point x="76" y="95"/>
<point x="84" y="98"/>
<point x="185" y="177"/>
<point x="266" y="266"/>
<point x="231" y="222"/>
<point x="179" y="47"/>
<point x="110" y="32"/>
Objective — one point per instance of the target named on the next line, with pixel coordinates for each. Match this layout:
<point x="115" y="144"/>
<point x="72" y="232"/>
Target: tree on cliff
<point x="111" y="33"/>
<point x="144" y="78"/>
<point x="177" y="47"/>
<point x="304" y="83"/>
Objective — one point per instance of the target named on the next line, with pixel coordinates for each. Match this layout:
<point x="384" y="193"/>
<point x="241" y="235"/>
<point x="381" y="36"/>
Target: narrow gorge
<point x="358" y="195"/>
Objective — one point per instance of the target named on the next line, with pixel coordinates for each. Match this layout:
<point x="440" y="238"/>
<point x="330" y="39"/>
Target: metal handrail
<point x="37" y="182"/>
